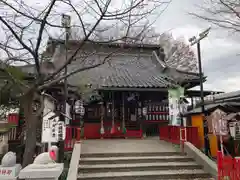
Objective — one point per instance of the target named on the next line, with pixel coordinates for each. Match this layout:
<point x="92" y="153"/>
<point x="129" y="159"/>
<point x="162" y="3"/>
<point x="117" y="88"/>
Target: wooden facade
<point x="124" y="109"/>
<point x="133" y="69"/>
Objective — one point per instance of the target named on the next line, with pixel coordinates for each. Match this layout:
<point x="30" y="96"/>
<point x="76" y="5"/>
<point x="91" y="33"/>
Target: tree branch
<point x="28" y="16"/>
<point x="16" y="36"/>
<point x="81" y="43"/>
<point x="221" y="13"/>
<point x="39" y="39"/>
<point x="76" y="71"/>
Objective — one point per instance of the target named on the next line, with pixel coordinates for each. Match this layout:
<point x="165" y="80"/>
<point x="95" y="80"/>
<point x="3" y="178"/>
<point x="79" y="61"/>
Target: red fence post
<point x="78" y="134"/>
<point x="72" y="134"/>
<point x="183" y="137"/>
<point x="227" y="167"/>
<point x="237" y="168"/>
<point x="175" y="134"/>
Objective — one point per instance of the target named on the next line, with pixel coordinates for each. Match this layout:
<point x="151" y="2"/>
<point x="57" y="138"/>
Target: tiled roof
<point x="140" y="70"/>
<point x="135" y="72"/>
<point x="131" y="70"/>
<point x="180" y="76"/>
<point x="209" y="107"/>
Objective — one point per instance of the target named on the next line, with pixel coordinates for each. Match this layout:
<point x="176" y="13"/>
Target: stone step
<point x="145" y="175"/>
<point x="132" y="160"/>
<point x="130" y="154"/>
<point x="138" y="167"/>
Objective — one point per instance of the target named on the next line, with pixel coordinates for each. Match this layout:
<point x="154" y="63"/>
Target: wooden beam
<point x="133" y="89"/>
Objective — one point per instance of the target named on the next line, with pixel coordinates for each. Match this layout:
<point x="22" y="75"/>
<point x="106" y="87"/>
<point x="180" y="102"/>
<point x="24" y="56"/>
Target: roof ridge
<point x="113" y="43"/>
<point x="159" y="61"/>
<point x="187" y="72"/>
<point x="164" y="65"/>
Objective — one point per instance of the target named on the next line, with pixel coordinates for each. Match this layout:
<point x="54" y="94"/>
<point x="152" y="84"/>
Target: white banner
<point x="47" y="123"/>
<point x="60" y="130"/>
<point x="68" y="114"/>
<point x="47" y="128"/>
<point x="173" y="100"/>
<point x="219" y="124"/>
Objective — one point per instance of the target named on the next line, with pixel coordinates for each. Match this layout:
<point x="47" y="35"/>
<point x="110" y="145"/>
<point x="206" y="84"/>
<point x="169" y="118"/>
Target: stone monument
<point x="9" y="169"/>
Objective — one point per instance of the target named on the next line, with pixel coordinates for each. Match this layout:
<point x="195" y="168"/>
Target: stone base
<point x="9" y="173"/>
<point x="42" y="179"/>
<point x="41" y="172"/>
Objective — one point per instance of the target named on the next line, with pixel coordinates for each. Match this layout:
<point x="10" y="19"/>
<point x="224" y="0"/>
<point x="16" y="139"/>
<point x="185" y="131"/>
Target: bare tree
<point x="178" y="53"/>
<point x="26" y="26"/>
<point x="222" y="13"/>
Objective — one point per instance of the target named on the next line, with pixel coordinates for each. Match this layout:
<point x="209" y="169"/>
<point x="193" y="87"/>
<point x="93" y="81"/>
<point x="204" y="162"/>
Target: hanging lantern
<point x="144" y="111"/>
<point x="82" y="111"/>
<point x="78" y="107"/>
<point x="232" y="129"/>
<point x="237" y="131"/>
<point x="102" y="131"/>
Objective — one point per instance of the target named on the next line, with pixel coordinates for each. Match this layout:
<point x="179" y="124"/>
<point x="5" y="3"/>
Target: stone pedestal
<point x="41" y="172"/>
<point x="9" y="173"/>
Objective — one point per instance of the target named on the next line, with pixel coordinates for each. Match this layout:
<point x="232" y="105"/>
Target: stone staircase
<point x="139" y="166"/>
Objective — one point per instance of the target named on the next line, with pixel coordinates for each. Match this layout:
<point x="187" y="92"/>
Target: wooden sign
<point x="217" y="123"/>
<point x="237" y="131"/>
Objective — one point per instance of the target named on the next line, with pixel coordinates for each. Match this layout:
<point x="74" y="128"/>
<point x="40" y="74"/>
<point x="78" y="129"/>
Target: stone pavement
<point x="126" y="146"/>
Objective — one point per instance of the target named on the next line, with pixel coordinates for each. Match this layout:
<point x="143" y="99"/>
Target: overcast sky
<point x="219" y="50"/>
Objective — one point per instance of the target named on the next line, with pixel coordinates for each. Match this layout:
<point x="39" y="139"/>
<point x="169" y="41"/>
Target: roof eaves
<point x="113" y="44"/>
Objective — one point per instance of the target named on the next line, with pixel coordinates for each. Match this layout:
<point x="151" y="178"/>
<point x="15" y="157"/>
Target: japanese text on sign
<point x="5" y="172"/>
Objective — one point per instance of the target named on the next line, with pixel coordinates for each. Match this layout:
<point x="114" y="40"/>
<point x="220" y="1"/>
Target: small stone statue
<point x="45" y="160"/>
<point x="43" y="167"/>
<point x="47" y="157"/>
<point x="9" y="159"/>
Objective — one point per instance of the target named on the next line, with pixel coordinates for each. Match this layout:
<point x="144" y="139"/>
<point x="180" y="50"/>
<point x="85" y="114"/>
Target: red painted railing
<point x="172" y="134"/>
<point x="72" y="135"/>
<point x="13" y="118"/>
<point x="228" y="167"/>
<point x="92" y="131"/>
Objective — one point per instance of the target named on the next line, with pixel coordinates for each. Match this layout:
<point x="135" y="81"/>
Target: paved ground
<point x="126" y="145"/>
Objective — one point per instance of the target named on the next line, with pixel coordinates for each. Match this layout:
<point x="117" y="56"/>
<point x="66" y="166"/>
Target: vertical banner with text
<point x="174" y="95"/>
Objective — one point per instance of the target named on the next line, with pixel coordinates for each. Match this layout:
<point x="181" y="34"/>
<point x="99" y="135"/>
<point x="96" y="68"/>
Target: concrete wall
<point x="73" y="169"/>
<point x="207" y="164"/>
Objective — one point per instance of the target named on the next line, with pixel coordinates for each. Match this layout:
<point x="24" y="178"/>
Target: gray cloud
<point x="219" y="51"/>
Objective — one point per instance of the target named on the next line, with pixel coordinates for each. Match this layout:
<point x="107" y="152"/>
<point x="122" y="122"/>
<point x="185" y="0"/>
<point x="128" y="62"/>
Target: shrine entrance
<point x="121" y="114"/>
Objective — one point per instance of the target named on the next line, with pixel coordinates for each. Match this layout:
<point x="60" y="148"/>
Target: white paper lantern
<point x="144" y="111"/>
<point x="232" y="128"/>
